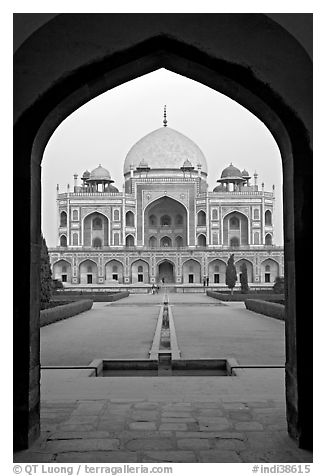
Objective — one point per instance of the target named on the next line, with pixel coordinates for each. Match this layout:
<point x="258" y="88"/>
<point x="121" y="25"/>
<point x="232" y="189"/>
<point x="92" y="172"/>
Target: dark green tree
<point x="279" y="285"/>
<point x="231" y="274"/>
<point x="45" y="275"/>
<point x="244" y="278"/>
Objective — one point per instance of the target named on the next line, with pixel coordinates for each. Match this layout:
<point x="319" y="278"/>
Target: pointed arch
<point x="268" y="239"/>
<point x="191" y="271"/>
<point x="201" y="218"/>
<point x="63" y="218"/>
<point x="130" y="218"/>
<point x="61" y="270"/>
<point x="201" y="240"/>
<point x="88" y="271"/>
<point x="250" y="269"/>
<point x="63" y="241"/>
<point x="130" y="241"/>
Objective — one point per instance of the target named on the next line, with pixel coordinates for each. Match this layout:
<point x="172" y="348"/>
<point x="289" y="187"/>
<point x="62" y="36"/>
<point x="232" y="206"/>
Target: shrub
<point x="48" y="316"/>
<point x="279" y="285"/>
<point x="57" y="284"/>
<point x="96" y="297"/>
<point x="243" y="297"/>
<point x="271" y="309"/>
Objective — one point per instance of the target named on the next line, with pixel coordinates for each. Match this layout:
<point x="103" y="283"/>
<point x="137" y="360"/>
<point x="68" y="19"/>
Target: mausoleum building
<point x="165" y="223"/>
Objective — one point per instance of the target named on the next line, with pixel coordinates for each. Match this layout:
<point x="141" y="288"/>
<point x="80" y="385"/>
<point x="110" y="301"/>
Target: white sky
<point x="103" y="131"/>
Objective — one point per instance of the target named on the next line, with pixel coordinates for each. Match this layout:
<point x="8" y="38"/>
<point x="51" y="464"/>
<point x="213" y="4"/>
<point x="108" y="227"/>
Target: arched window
<point x="256" y="238"/>
<point x="165" y="220"/>
<point x="234" y="223"/>
<point x="130" y="219"/>
<point x="152" y="220"/>
<point x="63" y="219"/>
<point x="75" y="239"/>
<point x="268" y="218"/>
<point x="75" y="215"/>
<point x="179" y="241"/>
<point x="152" y="242"/>
<point x="179" y="220"/>
<point x="140" y="269"/>
<point x="130" y="240"/>
<point x="97" y="223"/>
<point x="114" y="269"/>
<point x="97" y="243"/>
<point x="268" y="239"/>
<point x="201" y="218"/>
<point x="216" y="268"/>
<point x="256" y="214"/>
<point x="201" y="240"/>
<point x="166" y="241"/>
<point x="267" y="268"/>
<point x="64" y="269"/>
<point x="89" y="269"/>
<point x="214" y="214"/>
<point x="116" y="215"/>
<point x="234" y="242"/>
<point x="63" y="240"/>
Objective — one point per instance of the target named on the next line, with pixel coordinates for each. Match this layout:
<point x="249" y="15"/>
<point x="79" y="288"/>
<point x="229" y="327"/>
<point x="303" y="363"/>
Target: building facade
<point x="165" y="224"/>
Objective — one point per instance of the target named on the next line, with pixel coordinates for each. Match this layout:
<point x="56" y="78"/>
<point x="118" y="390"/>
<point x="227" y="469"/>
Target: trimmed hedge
<point x="54" y="314"/>
<point x="270" y="309"/>
<point x="95" y="297"/>
<point x="243" y="297"/>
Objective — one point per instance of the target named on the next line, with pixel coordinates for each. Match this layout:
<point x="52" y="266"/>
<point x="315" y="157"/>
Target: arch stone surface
<point x="51" y="81"/>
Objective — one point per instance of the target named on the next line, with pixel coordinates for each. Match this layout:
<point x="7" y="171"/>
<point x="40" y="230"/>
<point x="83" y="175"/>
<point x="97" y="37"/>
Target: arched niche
<point x="169" y="216"/>
<point x="216" y="272"/>
<point x="140" y="272"/>
<point x="88" y="272"/>
<point x="250" y="270"/>
<point x="62" y="270"/>
<point x="113" y="272"/>
<point x="235" y="229"/>
<point x="191" y="272"/>
<point x="95" y="229"/>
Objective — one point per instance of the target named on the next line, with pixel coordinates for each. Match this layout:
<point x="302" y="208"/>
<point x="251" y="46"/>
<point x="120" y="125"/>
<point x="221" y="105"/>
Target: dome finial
<point x="165" y="122"/>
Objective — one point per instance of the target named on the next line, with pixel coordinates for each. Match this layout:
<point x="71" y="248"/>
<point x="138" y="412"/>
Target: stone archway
<point x="167" y="218"/>
<point x="165" y="272"/>
<point x="47" y="89"/>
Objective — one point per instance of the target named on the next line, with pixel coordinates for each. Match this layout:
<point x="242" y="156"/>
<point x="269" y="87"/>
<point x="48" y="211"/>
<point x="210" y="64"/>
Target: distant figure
<point x="153" y="288"/>
<point x="204" y="281"/>
<point x="207" y="281"/>
<point x="163" y="281"/>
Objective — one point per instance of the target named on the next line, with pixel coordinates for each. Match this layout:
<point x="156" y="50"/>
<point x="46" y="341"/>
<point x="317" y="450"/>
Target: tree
<point x="231" y="274"/>
<point x="279" y="285"/>
<point x="244" y="278"/>
<point x="45" y="274"/>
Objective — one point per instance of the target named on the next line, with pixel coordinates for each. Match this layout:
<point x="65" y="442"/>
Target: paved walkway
<point x="167" y="419"/>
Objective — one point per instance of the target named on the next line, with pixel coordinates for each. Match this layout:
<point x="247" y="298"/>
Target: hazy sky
<point x="103" y="131"/>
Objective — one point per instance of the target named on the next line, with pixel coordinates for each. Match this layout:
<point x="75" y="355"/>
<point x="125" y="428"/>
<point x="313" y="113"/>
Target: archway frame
<point x="166" y="260"/>
<point x="282" y="103"/>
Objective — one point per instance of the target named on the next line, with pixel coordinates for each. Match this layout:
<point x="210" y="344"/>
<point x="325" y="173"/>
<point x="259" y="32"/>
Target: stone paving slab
<point x="110" y="434"/>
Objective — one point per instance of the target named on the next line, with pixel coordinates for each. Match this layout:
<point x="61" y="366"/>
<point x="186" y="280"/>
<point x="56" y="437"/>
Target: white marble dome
<point x="165" y="148"/>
